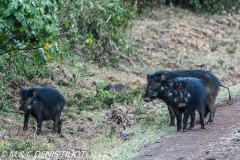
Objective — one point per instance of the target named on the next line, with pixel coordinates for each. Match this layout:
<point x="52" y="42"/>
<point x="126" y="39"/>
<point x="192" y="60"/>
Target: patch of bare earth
<point x="220" y="140"/>
<point x="175" y="39"/>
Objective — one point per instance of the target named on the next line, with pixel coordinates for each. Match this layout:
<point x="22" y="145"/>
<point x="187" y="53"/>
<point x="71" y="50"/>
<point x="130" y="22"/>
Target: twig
<point x="7" y="42"/>
<point x="71" y="110"/>
<point x="90" y="74"/>
<point x="25" y="49"/>
<point x="18" y="131"/>
<point x="34" y="135"/>
<point x="124" y="56"/>
<point x="128" y="123"/>
<point x="4" y="134"/>
<point x="107" y="20"/>
<point x="9" y="131"/>
<point x="27" y="136"/>
<point x="141" y="60"/>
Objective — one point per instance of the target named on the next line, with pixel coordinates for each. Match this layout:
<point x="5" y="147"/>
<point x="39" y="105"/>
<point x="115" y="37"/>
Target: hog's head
<point x="154" y="87"/>
<point x="26" y="102"/>
<point x="178" y="93"/>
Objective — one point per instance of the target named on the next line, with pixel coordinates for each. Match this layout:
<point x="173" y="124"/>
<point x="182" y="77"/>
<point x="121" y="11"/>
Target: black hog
<point x="185" y="96"/>
<point x="209" y="80"/>
<point x="156" y="89"/>
<point x="43" y="103"/>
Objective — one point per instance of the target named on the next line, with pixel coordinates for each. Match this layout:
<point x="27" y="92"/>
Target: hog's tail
<point x="229" y="98"/>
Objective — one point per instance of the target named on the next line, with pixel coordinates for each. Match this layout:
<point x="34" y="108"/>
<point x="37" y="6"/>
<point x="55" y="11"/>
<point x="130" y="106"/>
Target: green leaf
<point x="21" y="29"/>
<point x="66" y="24"/>
<point x="41" y="10"/>
<point x="89" y="41"/>
<point x="33" y="4"/>
<point x="11" y="5"/>
<point x="19" y="16"/>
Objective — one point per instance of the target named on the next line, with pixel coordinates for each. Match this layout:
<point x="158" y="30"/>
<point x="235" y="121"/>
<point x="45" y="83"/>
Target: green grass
<point x="118" y="148"/>
<point x="145" y="130"/>
<point x="15" y="144"/>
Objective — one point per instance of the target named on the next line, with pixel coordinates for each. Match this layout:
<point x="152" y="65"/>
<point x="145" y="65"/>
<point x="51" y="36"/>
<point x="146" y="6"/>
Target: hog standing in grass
<point x="185" y="96"/>
<point x="210" y="82"/>
<point x="43" y="103"/>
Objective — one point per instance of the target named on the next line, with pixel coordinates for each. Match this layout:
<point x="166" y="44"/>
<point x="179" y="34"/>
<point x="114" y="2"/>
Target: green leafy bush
<point x="95" y="29"/>
<point x="28" y="33"/>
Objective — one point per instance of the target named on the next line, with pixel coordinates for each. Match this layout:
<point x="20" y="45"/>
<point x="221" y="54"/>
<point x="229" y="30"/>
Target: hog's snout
<point x="21" y="111"/>
<point x="146" y="99"/>
<point x="182" y="105"/>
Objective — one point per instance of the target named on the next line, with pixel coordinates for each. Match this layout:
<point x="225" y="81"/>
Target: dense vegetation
<point x="28" y="34"/>
<point x="33" y="33"/>
<point x="95" y="30"/>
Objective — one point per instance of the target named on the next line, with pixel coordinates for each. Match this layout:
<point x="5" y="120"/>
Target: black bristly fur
<point x="192" y="93"/>
<point x="43" y="103"/>
<point x="155" y="87"/>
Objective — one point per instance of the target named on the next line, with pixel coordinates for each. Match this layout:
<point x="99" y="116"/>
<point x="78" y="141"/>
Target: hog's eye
<point x="154" y="95"/>
<point x="156" y="85"/>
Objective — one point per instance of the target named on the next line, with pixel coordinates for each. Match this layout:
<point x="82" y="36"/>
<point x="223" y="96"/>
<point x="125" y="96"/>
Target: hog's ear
<point x="35" y="93"/>
<point x="170" y="83"/>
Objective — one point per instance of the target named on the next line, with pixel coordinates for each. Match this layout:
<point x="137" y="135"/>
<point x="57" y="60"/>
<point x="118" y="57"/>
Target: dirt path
<point x="220" y="140"/>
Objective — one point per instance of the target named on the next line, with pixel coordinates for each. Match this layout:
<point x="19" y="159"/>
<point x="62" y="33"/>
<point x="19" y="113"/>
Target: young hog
<point x="210" y="82"/>
<point x="187" y="95"/>
<point x="43" y="103"/>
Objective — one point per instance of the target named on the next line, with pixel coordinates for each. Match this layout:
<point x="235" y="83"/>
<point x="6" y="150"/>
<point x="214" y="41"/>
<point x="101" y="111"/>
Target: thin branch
<point x="124" y="56"/>
<point x="23" y="49"/>
<point x="7" y="42"/>
<point x="107" y="21"/>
